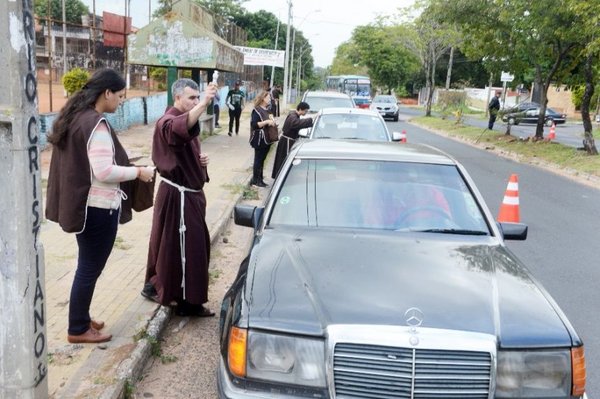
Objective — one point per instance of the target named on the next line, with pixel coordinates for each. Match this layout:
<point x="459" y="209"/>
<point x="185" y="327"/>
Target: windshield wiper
<point x="455" y="231"/>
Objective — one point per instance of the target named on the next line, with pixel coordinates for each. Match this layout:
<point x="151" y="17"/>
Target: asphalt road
<point x="562" y="249"/>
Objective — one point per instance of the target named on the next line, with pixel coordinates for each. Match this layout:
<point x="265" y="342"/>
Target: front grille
<point x="370" y="371"/>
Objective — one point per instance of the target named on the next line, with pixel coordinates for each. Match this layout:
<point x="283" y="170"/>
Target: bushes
<point x="452" y="102"/>
<point x="74" y="80"/>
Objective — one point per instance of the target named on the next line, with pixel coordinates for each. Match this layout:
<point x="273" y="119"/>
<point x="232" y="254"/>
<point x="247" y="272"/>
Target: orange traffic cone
<point x="552" y="134"/>
<point x="403" y="139"/>
<point x="509" y="210"/>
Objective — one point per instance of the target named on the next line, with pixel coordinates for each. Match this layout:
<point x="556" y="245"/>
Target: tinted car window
<point x="376" y="195"/>
<point x="356" y="126"/>
<point x="317" y="103"/>
<point x="384" y="100"/>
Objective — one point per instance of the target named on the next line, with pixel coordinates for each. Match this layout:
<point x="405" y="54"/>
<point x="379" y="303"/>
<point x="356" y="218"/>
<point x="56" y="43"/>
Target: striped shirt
<point x="105" y="191"/>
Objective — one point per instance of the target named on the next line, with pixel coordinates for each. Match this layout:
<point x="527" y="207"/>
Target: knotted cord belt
<point x="290" y="142"/>
<point x="182" y="191"/>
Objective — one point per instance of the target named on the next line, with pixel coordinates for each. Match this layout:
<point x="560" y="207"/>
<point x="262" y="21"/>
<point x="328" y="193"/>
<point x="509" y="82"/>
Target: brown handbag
<point x="142" y="194"/>
<point x="271" y="133"/>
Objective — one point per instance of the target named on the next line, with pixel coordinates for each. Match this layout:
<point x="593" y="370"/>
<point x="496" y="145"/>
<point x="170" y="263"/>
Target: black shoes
<point x="229" y="134"/>
<point x="149" y="292"/>
<point x="259" y="183"/>
<point x="186" y="309"/>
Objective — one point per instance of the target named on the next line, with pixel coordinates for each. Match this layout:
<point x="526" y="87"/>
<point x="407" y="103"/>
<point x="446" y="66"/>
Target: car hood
<point x="302" y="283"/>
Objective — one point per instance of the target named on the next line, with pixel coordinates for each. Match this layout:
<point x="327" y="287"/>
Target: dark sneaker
<point x="149" y="292"/>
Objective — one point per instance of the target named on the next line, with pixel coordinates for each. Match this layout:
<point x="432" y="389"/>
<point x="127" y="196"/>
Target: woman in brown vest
<point x="84" y="192"/>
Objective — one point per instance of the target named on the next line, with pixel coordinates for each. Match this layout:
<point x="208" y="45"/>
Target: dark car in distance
<point x="529" y="112"/>
<point x="377" y="271"/>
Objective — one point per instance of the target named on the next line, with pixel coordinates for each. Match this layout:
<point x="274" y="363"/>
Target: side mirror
<point x="247" y="215"/>
<point x="513" y="231"/>
<point x="398" y="136"/>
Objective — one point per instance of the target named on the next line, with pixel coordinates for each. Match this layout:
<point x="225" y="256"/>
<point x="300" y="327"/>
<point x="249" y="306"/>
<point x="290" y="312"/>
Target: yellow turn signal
<point x="579" y="374"/>
<point x="236" y="354"/>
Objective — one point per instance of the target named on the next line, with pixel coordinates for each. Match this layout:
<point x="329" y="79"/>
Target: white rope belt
<point x="290" y="142"/>
<point x="182" y="191"/>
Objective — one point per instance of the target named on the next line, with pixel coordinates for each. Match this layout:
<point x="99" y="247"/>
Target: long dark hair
<point x="101" y="80"/>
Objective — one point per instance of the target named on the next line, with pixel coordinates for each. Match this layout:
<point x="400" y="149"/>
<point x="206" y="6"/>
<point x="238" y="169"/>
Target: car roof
<point x="357" y="111"/>
<point x="331" y="94"/>
<point x="384" y="96"/>
<point x="371" y="150"/>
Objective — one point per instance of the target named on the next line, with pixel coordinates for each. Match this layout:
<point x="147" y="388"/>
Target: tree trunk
<point x="449" y="74"/>
<point x="541" y="89"/>
<point x="589" y="144"/>
<point x="428" y="87"/>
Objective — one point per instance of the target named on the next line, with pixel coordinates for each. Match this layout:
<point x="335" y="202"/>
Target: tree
<point x="347" y="60"/>
<point x="429" y="40"/>
<point x="518" y="36"/>
<point x="589" y="25"/>
<point x="389" y="64"/>
<point x="74" y="9"/>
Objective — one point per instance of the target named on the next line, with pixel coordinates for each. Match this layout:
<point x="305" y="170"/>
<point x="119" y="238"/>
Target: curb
<point x="131" y="368"/>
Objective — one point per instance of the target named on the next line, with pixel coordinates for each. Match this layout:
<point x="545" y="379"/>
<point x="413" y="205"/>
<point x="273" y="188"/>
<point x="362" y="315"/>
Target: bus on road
<point x="356" y="86"/>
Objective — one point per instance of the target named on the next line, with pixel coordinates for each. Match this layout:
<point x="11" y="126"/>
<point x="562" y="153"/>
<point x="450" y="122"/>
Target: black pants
<point x="492" y="120"/>
<point x="235" y="115"/>
<point x="260" y="154"/>
<point x="216" y="112"/>
<point x="95" y="243"/>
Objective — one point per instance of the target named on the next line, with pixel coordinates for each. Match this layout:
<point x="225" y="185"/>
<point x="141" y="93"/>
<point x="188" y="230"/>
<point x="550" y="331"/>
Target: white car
<point x="327" y="99"/>
<point x="350" y="123"/>
<point x="386" y="105"/>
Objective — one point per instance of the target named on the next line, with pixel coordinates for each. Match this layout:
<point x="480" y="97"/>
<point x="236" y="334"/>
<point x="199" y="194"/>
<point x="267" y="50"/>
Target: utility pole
<point x="50" y="52"/>
<point x="23" y="343"/>
<point x="286" y="67"/>
<point x="273" y="67"/>
<point x="64" y="41"/>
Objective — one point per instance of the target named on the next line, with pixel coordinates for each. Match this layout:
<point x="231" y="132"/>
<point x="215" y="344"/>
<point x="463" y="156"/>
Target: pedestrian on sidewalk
<point x="217" y="108"/>
<point x="260" y="118"/>
<point x="494" y="108"/>
<point x="179" y="248"/>
<point x="291" y="128"/>
<point x="84" y="192"/>
<point x="235" y="103"/>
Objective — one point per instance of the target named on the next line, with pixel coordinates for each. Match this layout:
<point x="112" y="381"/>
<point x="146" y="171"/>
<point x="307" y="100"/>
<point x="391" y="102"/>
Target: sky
<point x="324" y="23"/>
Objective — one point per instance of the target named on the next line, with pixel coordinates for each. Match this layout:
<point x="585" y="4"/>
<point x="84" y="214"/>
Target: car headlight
<point x="533" y="374"/>
<point x="286" y="359"/>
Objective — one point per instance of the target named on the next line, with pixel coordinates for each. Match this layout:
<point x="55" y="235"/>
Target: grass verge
<point x="570" y="159"/>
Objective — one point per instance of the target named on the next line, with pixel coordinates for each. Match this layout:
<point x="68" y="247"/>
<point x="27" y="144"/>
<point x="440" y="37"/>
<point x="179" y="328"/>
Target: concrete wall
<point x="133" y="111"/>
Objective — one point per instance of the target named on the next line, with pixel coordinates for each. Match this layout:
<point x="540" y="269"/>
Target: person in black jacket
<point x="291" y="127"/>
<point x="494" y="107"/>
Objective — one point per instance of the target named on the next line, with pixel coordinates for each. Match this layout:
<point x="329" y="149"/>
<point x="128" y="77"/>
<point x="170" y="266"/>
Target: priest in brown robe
<point x="290" y="132"/>
<point x="179" y="250"/>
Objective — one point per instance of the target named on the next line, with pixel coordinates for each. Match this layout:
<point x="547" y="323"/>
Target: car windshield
<point x="350" y="126"/>
<point x="384" y="100"/>
<point x="318" y="103"/>
<point x="401" y="196"/>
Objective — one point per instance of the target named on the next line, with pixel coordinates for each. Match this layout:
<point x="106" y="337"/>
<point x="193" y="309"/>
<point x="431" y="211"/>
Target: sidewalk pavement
<point x="103" y="370"/>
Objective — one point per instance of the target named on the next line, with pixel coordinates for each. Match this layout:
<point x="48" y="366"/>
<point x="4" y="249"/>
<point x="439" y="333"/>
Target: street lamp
<point x="291" y="62"/>
<point x="304" y="49"/>
<point x="287" y="58"/>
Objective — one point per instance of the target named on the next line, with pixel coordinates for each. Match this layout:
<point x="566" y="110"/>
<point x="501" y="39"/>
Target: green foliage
<point x="159" y="75"/>
<point x="452" y="103"/>
<point x="389" y="64"/>
<point x="74" y="9"/>
<point x="74" y="80"/>
<point x="577" y="96"/>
